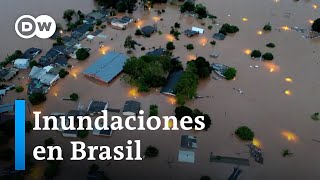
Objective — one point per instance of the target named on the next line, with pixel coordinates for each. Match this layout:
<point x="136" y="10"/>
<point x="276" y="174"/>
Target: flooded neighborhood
<point x="251" y="67"/>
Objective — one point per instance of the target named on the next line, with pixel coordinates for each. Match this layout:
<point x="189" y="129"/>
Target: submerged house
<point x="189" y="142"/>
<point x="190" y="33"/>
<point x="80" y="32"/>
<point x="119" y="24"/>
<point x="107" y="67"/>
<point x="43" y="75"/>
<point x="103" y="132"/>
<point x="21" y="63"/>
<point x="31" y="53"/>
<point x="199" y="30"/>
<point x="219" y="36"/>
<point x="157" y="52"/>
<point x="148" y="30"/>
<point x="96" y="107"/>
<point x="131" y="108"/>
<point x="172" y="81"/>
<point x="52" y="55"/>
<point x="7" y="74"/>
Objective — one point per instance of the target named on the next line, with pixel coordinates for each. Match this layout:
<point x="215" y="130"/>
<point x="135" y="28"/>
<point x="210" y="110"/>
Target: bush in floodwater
<point x="245" y="133"/>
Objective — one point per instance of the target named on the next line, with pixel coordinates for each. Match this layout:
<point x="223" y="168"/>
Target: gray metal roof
<point x="107" y="67"/>
<point x="172" y="81"/>
<point x="97" y="106"/>
<point x="132" y="106"/>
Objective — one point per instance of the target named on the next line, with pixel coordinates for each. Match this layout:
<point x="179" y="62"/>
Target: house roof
<point x="97" y="106"/>
<point x="189" y="142"/>
<point x="61" y="60"/>
<point x="35" y="86"/>
<point x="219" y="36"/>
<point x="186" y="156"/>
<point x="48" y="78"/>
<point x="172" y="80"/>
<point x="199" y="30"/>
<point x="132" y="106"/>
<point x="148" y="30"/>
<point x="6" y="108"/>
<point x="107" y="67"/>
<point x="190" y="32"/>
<point x="96" y="15"/>
<point x="157" y="52"/>
<point x="31" y="53"/>
<point x="21" y="61"/>
<point x="36" y="72"/>
<point x="7" y="74"/>
<point x="127" y="19"/>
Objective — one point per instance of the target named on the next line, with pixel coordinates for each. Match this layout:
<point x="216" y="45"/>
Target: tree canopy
<point x="82" y="54"/>
<point x="68" y="14"/>
<point x="316" y="25"/>
<point x="149" y="71"/>
<point x="230" y="73"/>
<point x="245" y="133"/>
<point x="37" y="98"/>
<point x="151" y="151"/>
<point x="182" y="111"/>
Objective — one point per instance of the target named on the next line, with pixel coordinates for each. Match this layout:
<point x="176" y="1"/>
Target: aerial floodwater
<point x="276" y="99"/>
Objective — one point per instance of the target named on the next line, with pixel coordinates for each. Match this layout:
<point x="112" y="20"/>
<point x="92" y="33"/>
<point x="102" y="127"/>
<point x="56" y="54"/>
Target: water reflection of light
<point x="311" y="21"/>
<point x="74" y="75"/>
<point x="272" y="67"/>
<point x="259" y="32"/>
<point x="288" y="92"/>
<point x="104" y="49"/>
<point x="156" y="18"/>
<point x="256" y="142"/>
<point x="139" y="23"/>
<point x="170" y="37"/>
<point x="288" y="80"/>
<point x="286" y="28"/>
<point x="244" y="19"/>
<point x="247" y="51"/>
<point x="133" y="92"/>
<point x="290" y="136"/>
<point x="55" y="94"/>
<point x="172" y="100"/>
<point x="276" y="1"/>
<point x="191" y="57"/>
<point x="203" y="41"/>
<point x="315" y="6"/>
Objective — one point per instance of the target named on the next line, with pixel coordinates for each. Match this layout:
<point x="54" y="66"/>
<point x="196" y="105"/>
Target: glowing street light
<point x="290" y="136"/>
<point x="256" y="142"/>
<point x="244" y="19"/>
<point x="288" y="92"/>
<point x="247" y="51"/>
<point x="172" y="100"/>
<point x="315" y="6"/>
<point x="286" y="28"/>
<point x="288" y="80"/>
<point x="259" y="32"/>
<point x="311" y="21"/>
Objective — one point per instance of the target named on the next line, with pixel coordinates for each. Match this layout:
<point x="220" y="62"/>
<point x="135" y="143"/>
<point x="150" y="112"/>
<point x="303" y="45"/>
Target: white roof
<point x="48" y="78"/>
<point x="21" y="61"/>
<point x="186" y="156"/>
<point x="90" y="37"/>
<point x="48" y="68"/>
<point x="201" y="31"/>
<point x="36" y="72"/>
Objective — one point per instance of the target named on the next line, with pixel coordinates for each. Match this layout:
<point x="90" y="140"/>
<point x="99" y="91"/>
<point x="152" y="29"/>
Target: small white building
<point x="117" y="24"/>
<point x="199" y="30"/>
<point x="186" y="156"/>
<point x="21" y="63"/>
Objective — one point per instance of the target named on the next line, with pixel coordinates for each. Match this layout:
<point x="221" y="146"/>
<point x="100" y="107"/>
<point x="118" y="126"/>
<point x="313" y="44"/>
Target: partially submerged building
<point x="95" y="107"/>
<point x="103" y="132"/>
<point x="190" y="33"/>
<point x="131" y="108"/>
<point x="31" y="53"/>
<point x="172" y="81"/>
<point x="7" y="74"/>
<point x="157" y="52"/>
<point x="219" y="36"/>
<point x="189" y="142"/>
<point x="21" y="63"/>
<point x="199" y="30"/>
<point x="107" y="67"/>
<point x="148" y="30"/>
<point x="186" y="156"/>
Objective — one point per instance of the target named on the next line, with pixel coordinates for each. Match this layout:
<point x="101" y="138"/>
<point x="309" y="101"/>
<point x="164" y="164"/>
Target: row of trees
<point x="9" y="59"/>
<point x="188" y="83"/>
<point x="257" y="54"/>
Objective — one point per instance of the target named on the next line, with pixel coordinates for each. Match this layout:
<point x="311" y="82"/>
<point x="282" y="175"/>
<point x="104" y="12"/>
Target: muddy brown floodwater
<point x="278" y="111"/>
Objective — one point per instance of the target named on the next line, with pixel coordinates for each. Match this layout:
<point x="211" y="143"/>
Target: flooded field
<point x="279" y="97"/>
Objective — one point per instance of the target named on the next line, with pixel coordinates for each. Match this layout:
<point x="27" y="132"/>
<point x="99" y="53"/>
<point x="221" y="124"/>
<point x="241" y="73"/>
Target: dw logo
<point x="43" y="26"/>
